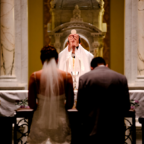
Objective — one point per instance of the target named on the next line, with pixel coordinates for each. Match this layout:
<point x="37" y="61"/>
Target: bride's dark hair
<point x="48" y="52"/>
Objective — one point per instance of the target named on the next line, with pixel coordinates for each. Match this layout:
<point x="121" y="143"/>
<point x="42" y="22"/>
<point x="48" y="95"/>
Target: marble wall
<point x="14" y="44"/>
<point x="134" y="42"/>
<point x="21" y="41"/>
<point x="140" y="50"/>
<point x="7" y="37"/>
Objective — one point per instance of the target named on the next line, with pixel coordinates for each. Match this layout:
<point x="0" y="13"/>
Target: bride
<point x="53" y="90"/>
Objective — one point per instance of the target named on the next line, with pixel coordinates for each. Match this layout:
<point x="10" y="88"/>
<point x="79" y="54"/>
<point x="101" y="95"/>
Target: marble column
<point x="140" y="49"/>
<point x="21" y="41"/>
<point x="14" y="44"/>
<point x="134" y="43"/>
<point x="7" y="37"/>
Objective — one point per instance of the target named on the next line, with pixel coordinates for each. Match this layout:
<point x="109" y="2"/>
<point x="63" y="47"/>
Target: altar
<point x="138" y="95"/>
<point x="8" y="100"/>
<point x="8" y="108"/>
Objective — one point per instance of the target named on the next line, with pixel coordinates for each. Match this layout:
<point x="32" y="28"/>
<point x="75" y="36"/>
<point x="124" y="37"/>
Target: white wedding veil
<point x="51" y="82"/>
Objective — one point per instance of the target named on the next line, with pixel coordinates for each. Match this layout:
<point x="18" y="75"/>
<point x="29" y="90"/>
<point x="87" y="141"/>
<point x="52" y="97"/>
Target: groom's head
<point x="97" y="61"/>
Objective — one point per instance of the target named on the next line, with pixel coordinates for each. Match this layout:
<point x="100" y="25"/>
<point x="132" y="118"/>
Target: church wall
<point x="117" y="35"/>
<point x="35" y="34"/>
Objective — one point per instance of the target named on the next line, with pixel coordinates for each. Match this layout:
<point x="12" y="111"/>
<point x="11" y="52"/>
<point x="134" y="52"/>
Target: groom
<point x="74" y="58"/>
<point x="103" y="100"/>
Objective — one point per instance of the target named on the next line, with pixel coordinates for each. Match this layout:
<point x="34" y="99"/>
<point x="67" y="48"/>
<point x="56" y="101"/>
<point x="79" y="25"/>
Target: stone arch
<point x="90" y="34"/>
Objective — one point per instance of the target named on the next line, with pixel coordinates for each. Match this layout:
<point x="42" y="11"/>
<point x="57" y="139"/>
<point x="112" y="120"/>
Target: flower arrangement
<point x="22" y="103"/>
<point x="134" y="104"/>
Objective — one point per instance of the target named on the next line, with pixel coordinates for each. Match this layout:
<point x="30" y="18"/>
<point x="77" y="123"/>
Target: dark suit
<point x="103" y="98"/>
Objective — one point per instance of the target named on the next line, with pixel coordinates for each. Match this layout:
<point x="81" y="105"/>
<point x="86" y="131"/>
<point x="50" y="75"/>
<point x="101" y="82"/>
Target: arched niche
<point x="90" y="33"/>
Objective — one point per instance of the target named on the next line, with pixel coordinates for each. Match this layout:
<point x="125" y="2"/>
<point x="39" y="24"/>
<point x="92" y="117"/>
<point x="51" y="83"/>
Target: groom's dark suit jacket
<point x="103" y="99"/>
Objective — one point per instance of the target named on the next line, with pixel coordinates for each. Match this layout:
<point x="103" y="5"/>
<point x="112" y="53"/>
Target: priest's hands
<point x="70" y="41"/>
<point x="73" y="41"/>
<point x="76" y="38"/>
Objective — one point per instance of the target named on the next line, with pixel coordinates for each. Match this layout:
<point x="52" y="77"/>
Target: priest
<point x="74" y="58"/>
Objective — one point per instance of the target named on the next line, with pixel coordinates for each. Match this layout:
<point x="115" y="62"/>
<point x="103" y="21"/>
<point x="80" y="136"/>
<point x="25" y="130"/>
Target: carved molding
<point x="80" y="25"/>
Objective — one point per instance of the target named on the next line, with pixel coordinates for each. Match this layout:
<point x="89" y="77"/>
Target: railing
<point x="25" y="118"/>
<point x="141" y="120"/>
<point x="24" y="123"/>
<point x="130" y="129"/>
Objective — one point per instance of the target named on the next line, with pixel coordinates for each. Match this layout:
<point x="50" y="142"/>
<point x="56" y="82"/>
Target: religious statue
<point x="76" y="14"/>
<point x="74" y="58"/>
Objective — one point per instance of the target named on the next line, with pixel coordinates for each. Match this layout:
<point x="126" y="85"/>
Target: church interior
<point x="112" y="29"/>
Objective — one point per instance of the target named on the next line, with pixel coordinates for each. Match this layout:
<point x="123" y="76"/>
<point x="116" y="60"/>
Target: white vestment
<point x="82" y="60"/>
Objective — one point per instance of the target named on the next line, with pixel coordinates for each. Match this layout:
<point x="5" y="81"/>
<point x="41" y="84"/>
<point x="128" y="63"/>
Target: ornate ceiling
<point x="70" y="4"/>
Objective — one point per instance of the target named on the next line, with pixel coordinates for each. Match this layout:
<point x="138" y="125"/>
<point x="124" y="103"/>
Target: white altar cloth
<point x="8" y="101"/>
<point x="138" y="95"/>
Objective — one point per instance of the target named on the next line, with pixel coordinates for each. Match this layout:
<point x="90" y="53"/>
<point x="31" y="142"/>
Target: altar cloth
<point x="8" y="101"/>
<point x="138" y="95"/>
